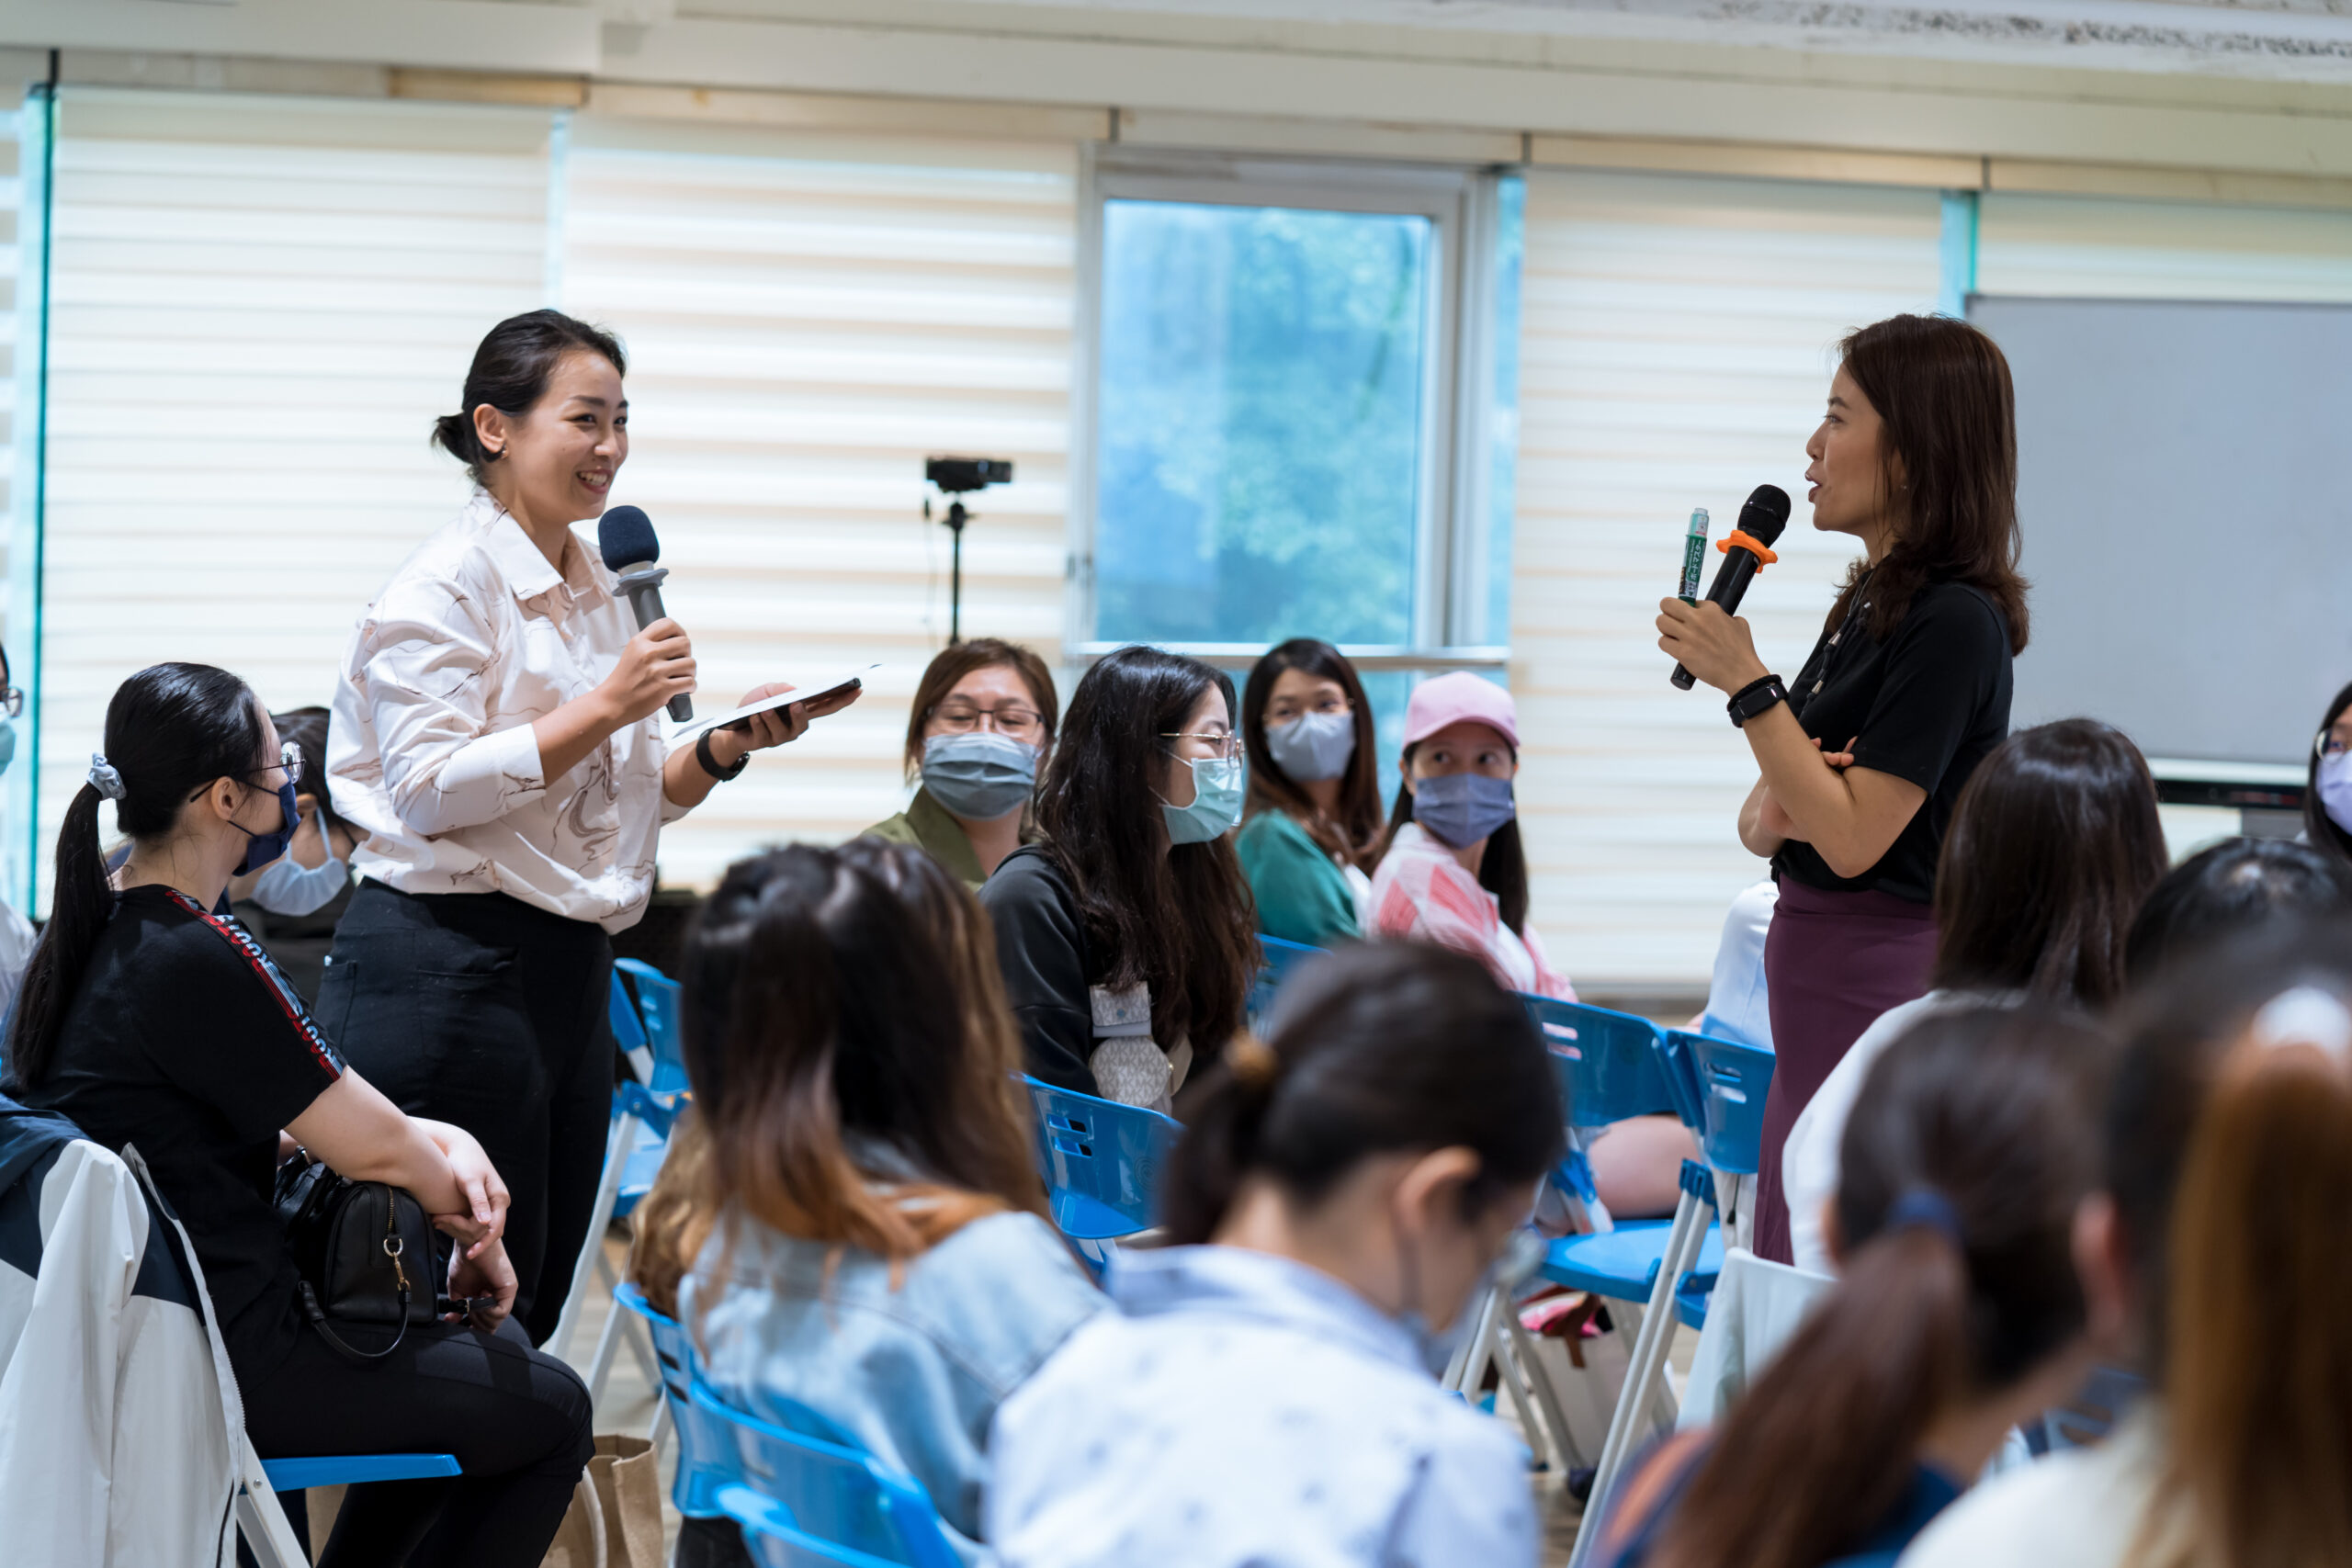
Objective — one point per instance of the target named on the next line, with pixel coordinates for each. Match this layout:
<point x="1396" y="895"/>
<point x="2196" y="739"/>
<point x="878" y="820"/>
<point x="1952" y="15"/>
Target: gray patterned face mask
<point x="1314" y="746"/>
<point x="980" y="776"/>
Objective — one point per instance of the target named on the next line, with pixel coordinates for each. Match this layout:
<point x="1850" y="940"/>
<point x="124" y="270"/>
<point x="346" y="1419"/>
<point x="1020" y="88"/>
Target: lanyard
<point x="1860" y="607"/>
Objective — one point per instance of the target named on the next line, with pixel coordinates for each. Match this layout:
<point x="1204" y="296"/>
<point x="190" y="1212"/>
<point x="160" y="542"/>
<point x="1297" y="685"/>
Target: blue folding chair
<point x="706" y="1450"/>
<point x="1718" y="1088"/>
<point x="1276" y="959"/>
<point x="260" y="1514"/>
<point x="804" y="1500"/>
<point x="646" y="1027"/>
<point x="1102" y="1162"/>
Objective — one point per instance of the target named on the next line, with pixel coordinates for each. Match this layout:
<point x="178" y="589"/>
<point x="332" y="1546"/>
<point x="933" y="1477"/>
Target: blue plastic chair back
<point x="1732" y="1080"/>
<point x="802" y="1500"/>
<point x="1100" y="1161"/>
<point x="658" y="999"/>
<point x="705" y="1449"/>
<point x="628" y="1030"/>
<point x="1608" y="1064"/>
<point x="1276" y="959"/>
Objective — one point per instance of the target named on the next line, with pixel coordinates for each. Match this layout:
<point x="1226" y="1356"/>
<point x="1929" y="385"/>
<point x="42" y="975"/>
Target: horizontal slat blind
<point x="807" y="315"/>
<point x="258" y="306"/>
<point x="2104" y="248"/>
<point x="1678" y="342"/>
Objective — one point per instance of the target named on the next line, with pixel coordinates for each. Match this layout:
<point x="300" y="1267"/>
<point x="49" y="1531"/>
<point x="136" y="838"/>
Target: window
<point x="1295" y="395"/>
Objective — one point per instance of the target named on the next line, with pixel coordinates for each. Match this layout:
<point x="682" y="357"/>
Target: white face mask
<point x="2335" y="789"/>
<point x="286" y="888"/>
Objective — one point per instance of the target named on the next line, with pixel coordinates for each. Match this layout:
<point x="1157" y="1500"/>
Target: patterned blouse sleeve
<point x="422" y="667"/>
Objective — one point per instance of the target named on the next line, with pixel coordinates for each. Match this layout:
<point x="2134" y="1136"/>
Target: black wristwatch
<point x="709" y="764"/>
<point x="1755" y="697"/>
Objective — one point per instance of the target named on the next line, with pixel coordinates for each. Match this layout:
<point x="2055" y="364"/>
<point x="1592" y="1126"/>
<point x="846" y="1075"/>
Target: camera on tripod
<point x="959" y="477"/>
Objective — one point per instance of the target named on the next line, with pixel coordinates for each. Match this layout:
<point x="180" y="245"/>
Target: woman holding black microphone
<point x="497" y="744"/>
<point x="1861" y="758"/>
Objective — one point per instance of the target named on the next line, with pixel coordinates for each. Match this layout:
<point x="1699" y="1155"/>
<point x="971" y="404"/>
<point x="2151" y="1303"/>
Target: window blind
<point x="807" y="315"/>
<point x="1679" y="336"/>
<point x="2109" y="248"/>
<point x="258" y="304"/>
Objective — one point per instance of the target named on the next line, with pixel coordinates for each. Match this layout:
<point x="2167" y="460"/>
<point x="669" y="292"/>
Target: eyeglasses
<point x="2326" y="745"/>
<point x="290" y="759"/>
<point x="1226" y="747"/>
<point x="12" y="699"/>
<point x="1008" y="719"/>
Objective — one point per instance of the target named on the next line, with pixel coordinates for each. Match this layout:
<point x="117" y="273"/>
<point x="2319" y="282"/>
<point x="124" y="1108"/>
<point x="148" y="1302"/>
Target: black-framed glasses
<point x="1227" y="747"/>
<point x="961" y="716"/>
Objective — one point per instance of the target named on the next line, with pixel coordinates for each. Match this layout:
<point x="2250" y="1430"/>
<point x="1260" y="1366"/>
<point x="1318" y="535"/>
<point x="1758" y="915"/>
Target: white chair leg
<point x="592" y="1250"/>
<point x="1530" y="1421"/>
<point x="660" y="1429"/>
<point x="608" y="1341"/>
<point x="1525" y="1353"/>
<point x="261" y="1519"/>
<point x="1467" y="1367"/>
<point x="1635" y="1410"/>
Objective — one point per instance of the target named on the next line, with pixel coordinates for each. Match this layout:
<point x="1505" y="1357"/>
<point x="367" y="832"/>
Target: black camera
<point x="960" y="476"/>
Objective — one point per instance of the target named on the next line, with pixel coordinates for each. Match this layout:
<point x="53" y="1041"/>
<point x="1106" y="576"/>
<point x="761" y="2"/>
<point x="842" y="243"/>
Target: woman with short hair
<point x="1862" y="757"/>
<point x="980" y="726"/>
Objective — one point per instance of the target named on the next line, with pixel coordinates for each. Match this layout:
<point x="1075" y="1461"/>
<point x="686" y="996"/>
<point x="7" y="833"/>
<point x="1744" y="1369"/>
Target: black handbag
<point x="364" y="1251"/>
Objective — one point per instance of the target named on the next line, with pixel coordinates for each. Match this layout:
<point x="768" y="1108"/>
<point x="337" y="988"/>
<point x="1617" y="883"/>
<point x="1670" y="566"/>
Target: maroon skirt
<point x="1833" y="962"/>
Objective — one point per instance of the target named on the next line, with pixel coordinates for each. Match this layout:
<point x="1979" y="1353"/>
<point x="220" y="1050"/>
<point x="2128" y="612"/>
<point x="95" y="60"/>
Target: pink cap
<point x="1450" y="699"/>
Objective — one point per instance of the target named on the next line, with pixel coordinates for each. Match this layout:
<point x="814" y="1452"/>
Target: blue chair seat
<point x="644" y="1164"/>
<point x="353" y="1470"/>
<point x="1082" y="1218"/>
<point x="1623" y="1264"/>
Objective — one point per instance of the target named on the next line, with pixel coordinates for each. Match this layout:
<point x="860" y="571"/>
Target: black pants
<point x="477" y="1010"/>
<point x="517" y="1420"/>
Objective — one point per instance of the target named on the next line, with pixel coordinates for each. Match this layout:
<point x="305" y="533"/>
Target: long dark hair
<point x="2227" y="1154"/>
<point x="1948" y="415"/>
<point x="820" y="1005"/>
<point x="172" y="731"/>
<point x="2229" y="888"/>
<point x="2319" y="827"/>
<point x="1178" y="919"/>
<point x="1375" y="1048"/>
<point x="1353" y="834"/>
<point x="510" y="373"/>
<point x="2053" y="844"/>
<point x="306" y="727"/>
<point x="1502" y="870"/>
<point x="1981" y="1110"/>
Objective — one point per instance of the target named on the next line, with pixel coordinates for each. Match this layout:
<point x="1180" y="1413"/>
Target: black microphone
<point x="1766" y="514"/>
<point x="625" y="535"/>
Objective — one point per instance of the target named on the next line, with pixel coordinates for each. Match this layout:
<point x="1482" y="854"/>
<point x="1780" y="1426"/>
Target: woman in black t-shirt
<point x="1863" y="756"/>
<point x="152" y="1018"/>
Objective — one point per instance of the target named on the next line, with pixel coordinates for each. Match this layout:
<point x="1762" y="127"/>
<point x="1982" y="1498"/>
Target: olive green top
<point x="927" y="825"/>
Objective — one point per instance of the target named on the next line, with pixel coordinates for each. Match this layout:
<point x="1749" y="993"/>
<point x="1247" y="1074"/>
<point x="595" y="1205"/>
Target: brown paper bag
<point x="615" y="1515"/>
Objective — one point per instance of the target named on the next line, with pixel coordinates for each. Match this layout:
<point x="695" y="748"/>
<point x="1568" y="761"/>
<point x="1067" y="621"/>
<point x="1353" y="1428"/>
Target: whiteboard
<point x="2185" y="492"/>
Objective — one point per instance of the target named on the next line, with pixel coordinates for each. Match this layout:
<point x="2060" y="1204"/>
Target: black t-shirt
<point x="1926" y="706"/>
<point x="184" y="1040"/>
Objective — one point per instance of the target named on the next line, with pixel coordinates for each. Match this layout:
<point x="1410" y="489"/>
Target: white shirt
<point x="2080" y="1508"/>
<point x="1809" y="1158"/>
<point x="1243" y="1408"/>
<point x="1738" y="1005"/>
<point x="431" y="756"/>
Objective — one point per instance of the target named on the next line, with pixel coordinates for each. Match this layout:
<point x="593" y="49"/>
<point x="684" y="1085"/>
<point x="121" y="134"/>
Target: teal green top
<point x="927" y="825"/>
<point x="1302" y="894"/>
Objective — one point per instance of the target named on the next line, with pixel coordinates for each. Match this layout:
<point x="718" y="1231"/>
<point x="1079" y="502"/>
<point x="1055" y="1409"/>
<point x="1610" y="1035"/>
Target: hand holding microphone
<point x="656" y="668"/>
<point x="1709" y="642"/>
<point x="624" y="538"/>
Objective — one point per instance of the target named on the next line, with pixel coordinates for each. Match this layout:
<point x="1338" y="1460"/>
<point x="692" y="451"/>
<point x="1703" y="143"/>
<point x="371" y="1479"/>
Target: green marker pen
<point x="1694" y="555"/>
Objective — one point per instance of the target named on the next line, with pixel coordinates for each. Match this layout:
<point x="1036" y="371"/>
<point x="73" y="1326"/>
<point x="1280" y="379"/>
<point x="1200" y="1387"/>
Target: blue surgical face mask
<point x="293" y="890"/>
<point x="1217" y="802"/>
<point x="1459" y="809"/>
<point x="1520" y="1257"/>
<point x="7" y="745"/>
<point x="1314" y="746"/>
<point x="2335" y="789"/>
<point x="262" y="847"/>
<point x="980" y="776"/>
